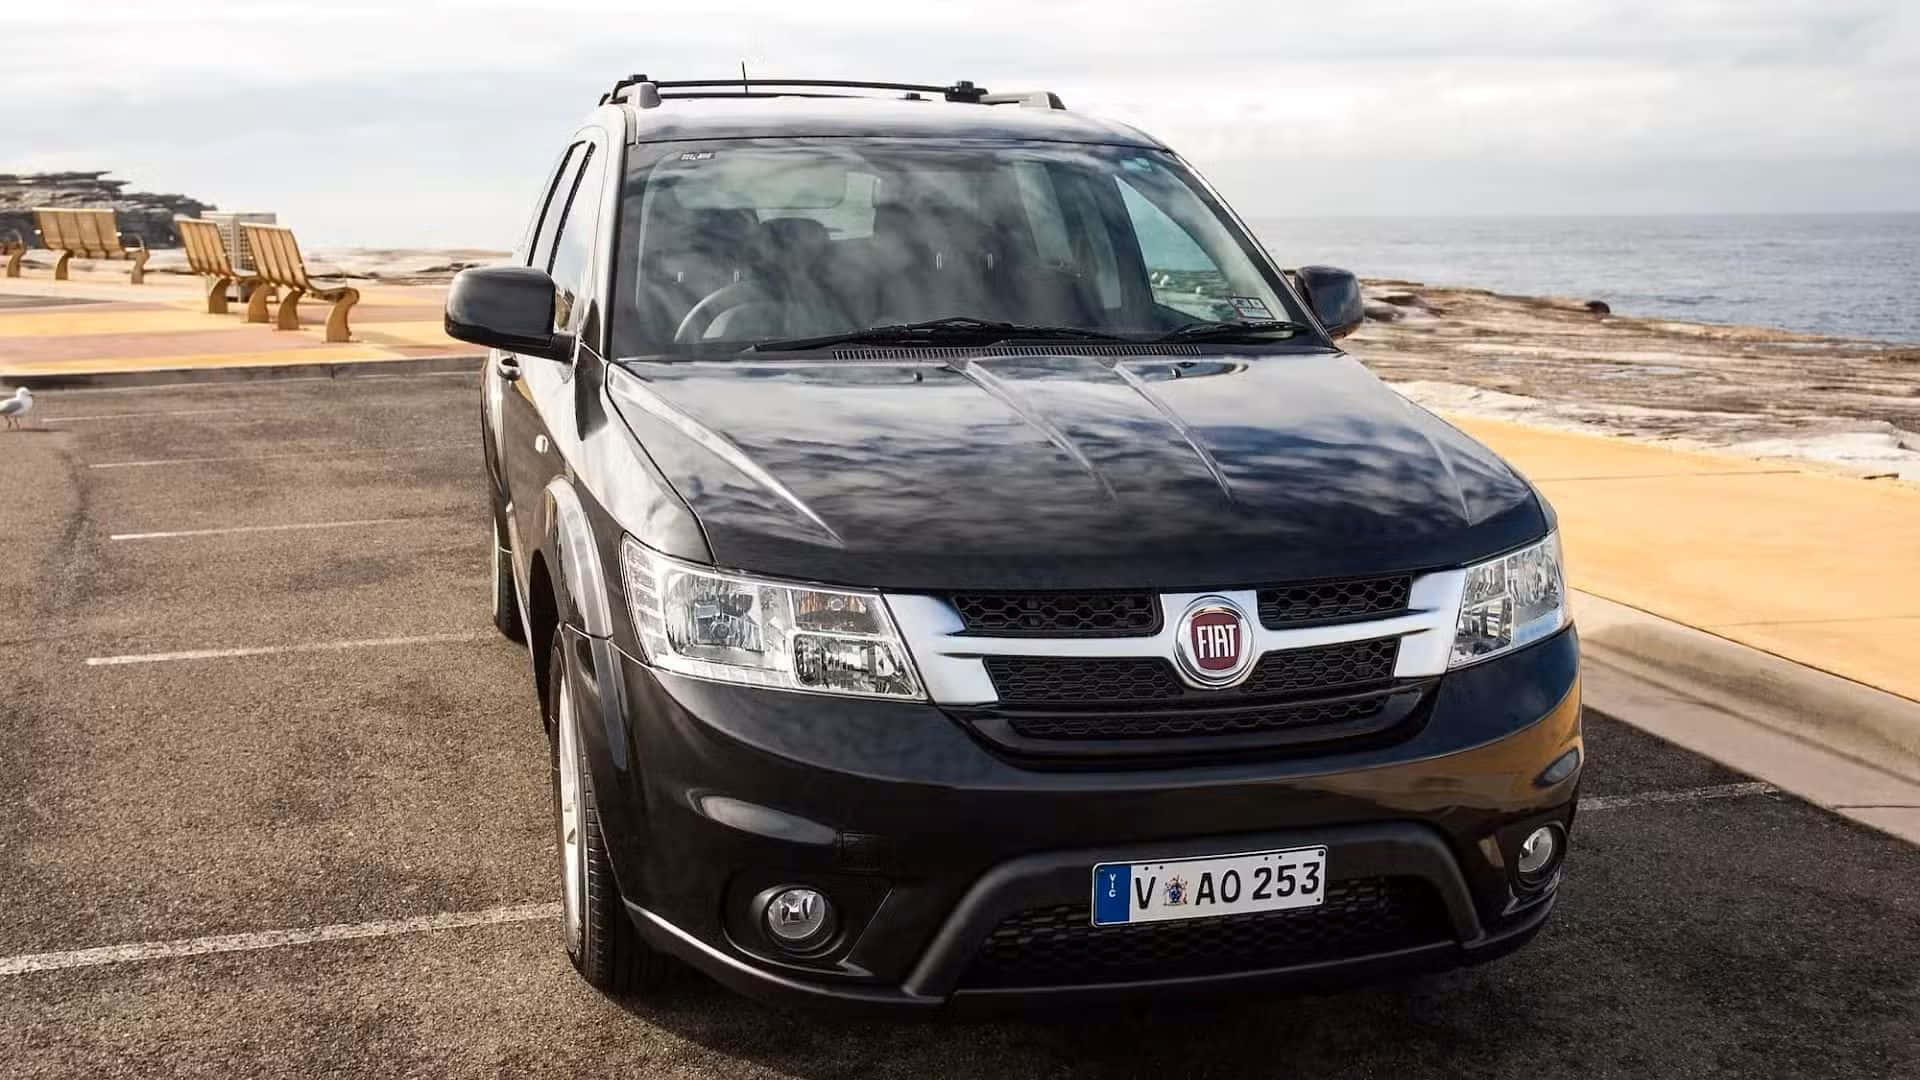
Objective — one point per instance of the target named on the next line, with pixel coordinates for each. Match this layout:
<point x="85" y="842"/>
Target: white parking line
<point x="260" y="528"/>
<point x="272" y="939"/>
<point x="277" y="650"/>
<point x="1699" y="794"/>
<point x="253" y="384"/>
<point x="309" y="455"/>
<point x="134" y="415"/>
<point x="475" y="370"/>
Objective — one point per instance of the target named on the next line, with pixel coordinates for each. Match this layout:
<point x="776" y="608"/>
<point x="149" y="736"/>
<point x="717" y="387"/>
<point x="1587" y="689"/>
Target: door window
<point x="571" y="266"/>
<point x="540" y="253"/>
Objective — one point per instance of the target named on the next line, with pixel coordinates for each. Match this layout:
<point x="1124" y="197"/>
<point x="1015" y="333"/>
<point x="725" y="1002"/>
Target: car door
<point x="539" y="426"/>
<point x="502" y="367"/>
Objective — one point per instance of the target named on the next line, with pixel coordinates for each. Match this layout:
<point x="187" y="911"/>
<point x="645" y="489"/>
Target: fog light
<point x="1538" y="852"/>
<point x="799" y="918"/>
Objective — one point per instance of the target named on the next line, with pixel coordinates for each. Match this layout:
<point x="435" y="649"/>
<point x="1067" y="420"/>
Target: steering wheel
<point x="712" y="306"/>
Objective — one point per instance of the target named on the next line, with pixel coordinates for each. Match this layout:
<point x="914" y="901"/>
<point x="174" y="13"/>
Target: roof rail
<point x="1031" y="99"/>
<point x="647" y="93"/>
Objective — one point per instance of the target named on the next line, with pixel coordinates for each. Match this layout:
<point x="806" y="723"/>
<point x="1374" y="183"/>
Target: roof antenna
<point x="743" y="79"/>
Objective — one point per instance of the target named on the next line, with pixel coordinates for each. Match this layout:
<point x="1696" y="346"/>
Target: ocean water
<point x="1851" y="275"/>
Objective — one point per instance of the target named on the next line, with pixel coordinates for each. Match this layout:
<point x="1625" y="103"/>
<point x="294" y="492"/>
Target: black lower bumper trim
<point x="942" y="976"/>
<point x="777" y="988"/>
<point x="1059" y="944"/>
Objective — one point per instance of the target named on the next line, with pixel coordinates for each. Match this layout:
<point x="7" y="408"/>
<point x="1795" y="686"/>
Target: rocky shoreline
<point x="146" y="214"/>
<point x="1838" y="403"/>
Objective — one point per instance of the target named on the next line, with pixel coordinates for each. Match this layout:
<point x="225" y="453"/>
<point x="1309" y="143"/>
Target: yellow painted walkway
<point x="1814" y="567"/>
<point x="98" y="323"/>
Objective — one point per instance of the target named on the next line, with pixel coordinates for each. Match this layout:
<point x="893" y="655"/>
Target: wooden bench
<point x="207" y="256"/>
<point x="90" y="234"/>
<point x="12" y="248"/>
<point x="277" y="257"/>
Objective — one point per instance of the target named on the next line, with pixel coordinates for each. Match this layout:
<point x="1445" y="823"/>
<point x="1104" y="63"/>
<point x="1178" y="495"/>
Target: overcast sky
<point x="414" y="123"/>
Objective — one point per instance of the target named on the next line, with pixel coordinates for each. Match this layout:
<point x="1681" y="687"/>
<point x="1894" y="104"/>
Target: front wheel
<point x="602" y="941"/>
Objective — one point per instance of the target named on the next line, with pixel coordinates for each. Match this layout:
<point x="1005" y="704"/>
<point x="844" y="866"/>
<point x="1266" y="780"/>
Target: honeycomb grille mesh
<point x="1186" y="723"/>
<point x="1059" y="946"/>
<point x="1150" y="680"/>
<point x="1055" y="614"/>
<point x="1333" y="601"/>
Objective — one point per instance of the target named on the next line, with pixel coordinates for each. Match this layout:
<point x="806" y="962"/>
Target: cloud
<point x="428" y="122"/>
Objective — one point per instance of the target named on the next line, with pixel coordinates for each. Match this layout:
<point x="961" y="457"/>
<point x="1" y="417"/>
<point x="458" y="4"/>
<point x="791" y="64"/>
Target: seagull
<point x="16" y="407"/>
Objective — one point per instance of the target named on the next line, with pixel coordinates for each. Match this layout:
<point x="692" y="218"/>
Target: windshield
<point x="733" y="244"/>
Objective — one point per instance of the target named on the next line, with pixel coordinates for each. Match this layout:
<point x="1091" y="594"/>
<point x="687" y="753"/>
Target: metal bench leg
<point x="337" y="317"/>
<point x="288" y="317"/>
<point x="257" y="303"/>
<point x="139" y="271"/>
<point x="13" y="261"/>
<point x="60" y="266"/>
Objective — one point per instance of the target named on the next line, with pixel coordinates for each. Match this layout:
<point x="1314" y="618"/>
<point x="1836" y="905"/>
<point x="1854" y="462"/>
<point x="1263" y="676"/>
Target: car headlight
<point x="728" y="627"/>
<point x="1510" y="601"/>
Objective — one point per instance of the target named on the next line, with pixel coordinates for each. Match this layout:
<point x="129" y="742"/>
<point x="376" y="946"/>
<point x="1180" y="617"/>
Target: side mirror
<point x="1335" y="296"/>
<point x="508" y="308"/>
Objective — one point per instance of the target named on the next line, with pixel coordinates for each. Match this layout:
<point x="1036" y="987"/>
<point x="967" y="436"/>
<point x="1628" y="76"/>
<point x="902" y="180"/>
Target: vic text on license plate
<point x="1216" y="885"/>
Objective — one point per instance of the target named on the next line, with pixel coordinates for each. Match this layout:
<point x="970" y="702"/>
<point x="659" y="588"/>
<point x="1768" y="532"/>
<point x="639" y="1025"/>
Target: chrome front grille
<point x="1122" y="682"/>
<point x="1060" y="676"/>
<point x="1053" y="705"/>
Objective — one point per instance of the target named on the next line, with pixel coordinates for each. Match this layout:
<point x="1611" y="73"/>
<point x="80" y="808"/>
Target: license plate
<point x="1216" y="885"/>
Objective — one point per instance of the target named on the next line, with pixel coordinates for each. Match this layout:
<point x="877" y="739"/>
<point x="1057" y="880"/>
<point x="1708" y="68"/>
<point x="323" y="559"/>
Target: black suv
<point x="960" y="567"/>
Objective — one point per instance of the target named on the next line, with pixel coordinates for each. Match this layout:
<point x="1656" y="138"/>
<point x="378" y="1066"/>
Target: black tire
<point x="506" y="605"/>
<point x="606" y="949"/>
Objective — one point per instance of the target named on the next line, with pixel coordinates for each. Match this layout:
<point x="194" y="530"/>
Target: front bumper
<point x="928" y="842"/>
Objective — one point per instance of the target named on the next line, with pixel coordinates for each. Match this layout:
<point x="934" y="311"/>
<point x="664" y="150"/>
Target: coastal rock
<point x="1380" y="312"/>
<point x="146" y="214"/>
<point x="1599" y="307"/>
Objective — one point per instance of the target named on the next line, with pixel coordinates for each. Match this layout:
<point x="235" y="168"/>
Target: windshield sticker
<point x="697" y="155"/>
<point x="1250" y="307"/>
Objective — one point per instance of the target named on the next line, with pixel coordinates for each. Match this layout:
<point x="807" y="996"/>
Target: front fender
<point x="575" y="563"/>
<point x="583" y="603"/>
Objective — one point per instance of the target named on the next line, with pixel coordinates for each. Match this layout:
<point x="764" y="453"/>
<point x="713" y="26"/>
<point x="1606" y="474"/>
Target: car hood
<point x="1059" y="471"/>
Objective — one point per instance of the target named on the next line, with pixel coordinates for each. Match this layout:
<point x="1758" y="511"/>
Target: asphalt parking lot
<point x="249" y="699"/>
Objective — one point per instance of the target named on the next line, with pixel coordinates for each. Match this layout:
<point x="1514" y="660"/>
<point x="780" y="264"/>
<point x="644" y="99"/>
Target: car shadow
<point x="1401" y="1027"/>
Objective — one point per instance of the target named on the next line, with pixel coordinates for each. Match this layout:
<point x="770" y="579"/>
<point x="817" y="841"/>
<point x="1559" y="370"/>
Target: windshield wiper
<point x="1227" y="331"/>
<point x="945" y="331"/>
